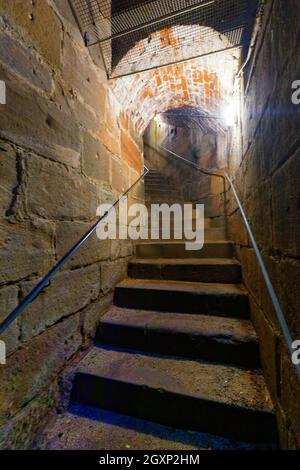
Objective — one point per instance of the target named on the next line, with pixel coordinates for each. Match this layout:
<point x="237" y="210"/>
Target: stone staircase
<point x="176" y="359"/>
<point x="159" y="189"/>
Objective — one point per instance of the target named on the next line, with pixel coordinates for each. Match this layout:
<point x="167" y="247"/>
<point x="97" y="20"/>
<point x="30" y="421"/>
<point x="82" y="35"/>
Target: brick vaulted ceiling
<point x="204" y="83"/>
<point x="163" y="55"/>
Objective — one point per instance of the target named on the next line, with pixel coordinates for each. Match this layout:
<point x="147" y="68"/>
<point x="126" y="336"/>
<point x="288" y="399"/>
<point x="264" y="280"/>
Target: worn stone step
<point x="167" y="197"/>
<point x="107" y="430"/>
<point x="159" y="186"/>
<point x="154" y="172"/>
<point x="164" y="199"/>
<point x="193" y="269"/>
<point x="156" y="177"/>
<point x="189" y="394"/>
<point x="176" y="249"/>
<point x="210" y="234"/>
<point x="217" y="339"/>
<point x="208" y="223"/>
<point x="227" y="300"/>
<point x="162" y="192"/>
<point x="158" y="180"/>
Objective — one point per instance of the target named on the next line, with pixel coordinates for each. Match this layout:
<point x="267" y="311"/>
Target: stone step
<point x="167" y="199"/>
<point x="217" y="339"/>
<point x="152" y="222"/>
<point x="156" y="177"/>
<point x="193" y="269"/>
<point x="158" y="180"/>
<point x="210" y="234"/>
<point x="107" y="430"/>
<point x="159" y="186"/>
<point x="175" y="249"/>
<point x="161" y="189"/>
<point x="227" y="300"/>
<point x="154" y="172"/>
<point x="188" y="394"/>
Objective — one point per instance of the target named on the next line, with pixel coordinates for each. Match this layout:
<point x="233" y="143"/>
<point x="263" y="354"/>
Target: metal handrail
<point x="194" y="165"/>
<point x="39" y="287"/>
<point x="274" y="298"/>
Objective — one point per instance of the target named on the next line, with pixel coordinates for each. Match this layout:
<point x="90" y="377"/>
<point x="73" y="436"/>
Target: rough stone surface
<point x="58" y="192"/>
<point x="130" y="151"/>
<point x="205" y="270"/>
<point x="96" y="159"/>
<point x="266" y="171"/>
<point x="91" y="317"/>
<point x="59" y="128"/>
<point x="120" y="175"/>
<point x="268" y="347"/>
<point x="105" y="430"/>
<point x="21" y="431"/>
<point x="165" y="249"/>
<point x="157" y="383"/>
<point x="185" y="335"/>
<point x="111" y="273"/>
<point x="68" y="233"/>
<point x="120" y="248"/>
<point x="78" y="71"/>
<point x="37" y="123"/>
<point x="8" y="301"/>
<point x="286" y="214"/>
<point x="183" y="297"/>
<point x="28" y="66"/>
<point x="17" y="263"/>
<point x="30" y="369"/>
<point x="39" y="22"/>
<point x="8" y="177"/>
<point x="289" y="395"/>
<point x="68" y="292"/>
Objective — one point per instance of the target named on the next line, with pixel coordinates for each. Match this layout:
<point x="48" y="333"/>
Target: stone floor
<point x="89" y="428"/>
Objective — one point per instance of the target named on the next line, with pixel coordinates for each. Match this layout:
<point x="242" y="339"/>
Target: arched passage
<point x="204" y="83"/>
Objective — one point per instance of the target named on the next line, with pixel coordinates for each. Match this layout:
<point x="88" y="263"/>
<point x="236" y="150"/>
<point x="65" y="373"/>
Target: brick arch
<point x="204" y="83"/>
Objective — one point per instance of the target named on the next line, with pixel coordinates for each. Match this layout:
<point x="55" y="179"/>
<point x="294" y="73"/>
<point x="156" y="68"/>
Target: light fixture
<point x="229" y="114"/>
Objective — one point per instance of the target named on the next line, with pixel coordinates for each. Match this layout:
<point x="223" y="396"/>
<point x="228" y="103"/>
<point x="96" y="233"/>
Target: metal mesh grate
<point x="118" y="25"/>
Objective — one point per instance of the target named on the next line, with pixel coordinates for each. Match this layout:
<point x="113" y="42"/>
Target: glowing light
<point x="230" y="114"/>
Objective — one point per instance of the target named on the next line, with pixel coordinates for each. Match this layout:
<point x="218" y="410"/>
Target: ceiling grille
<point x="119" y="25"/>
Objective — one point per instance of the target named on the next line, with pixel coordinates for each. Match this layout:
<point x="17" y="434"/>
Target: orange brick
<point x="206" y="76"/>
<point x="158" y="80"/>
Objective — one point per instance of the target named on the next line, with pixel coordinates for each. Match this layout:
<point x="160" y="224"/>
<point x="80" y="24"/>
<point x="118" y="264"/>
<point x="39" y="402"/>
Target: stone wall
<point x="266" y="163"/>
<point x="66" y="146"/>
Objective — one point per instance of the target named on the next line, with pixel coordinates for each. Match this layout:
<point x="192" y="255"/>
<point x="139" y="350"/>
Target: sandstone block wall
<point x="65" y="147"/>
<point x="265" y="161"/>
